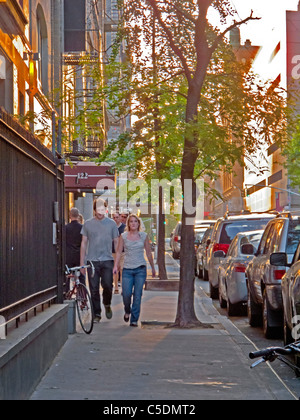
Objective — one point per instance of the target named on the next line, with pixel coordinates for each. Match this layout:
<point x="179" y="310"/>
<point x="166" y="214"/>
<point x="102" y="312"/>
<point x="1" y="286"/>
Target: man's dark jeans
<point x="103" y="271"/>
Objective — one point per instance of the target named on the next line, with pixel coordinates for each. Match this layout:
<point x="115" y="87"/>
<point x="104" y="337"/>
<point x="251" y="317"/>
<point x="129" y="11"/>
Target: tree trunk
<point x="186" y="316"/>
<point x="161" y="248"/>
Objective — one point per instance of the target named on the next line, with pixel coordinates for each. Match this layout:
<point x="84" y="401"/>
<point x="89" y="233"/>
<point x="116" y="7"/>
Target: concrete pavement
<point x="118" y="362"/>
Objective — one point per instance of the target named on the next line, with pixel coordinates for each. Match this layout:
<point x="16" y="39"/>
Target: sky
<point x="271" y="12"/>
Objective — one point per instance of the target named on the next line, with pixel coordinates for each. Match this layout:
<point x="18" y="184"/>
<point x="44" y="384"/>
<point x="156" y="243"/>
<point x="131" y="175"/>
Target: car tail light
<point x="221" y="247"/>
<point x="278" y="274"/>
<point x="239" y="268"/>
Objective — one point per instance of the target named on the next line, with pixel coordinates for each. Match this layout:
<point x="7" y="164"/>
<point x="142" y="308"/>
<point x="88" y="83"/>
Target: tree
<point x="218" y="129"/>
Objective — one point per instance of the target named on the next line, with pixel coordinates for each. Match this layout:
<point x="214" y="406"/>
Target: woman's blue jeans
<point x="133" y="281"/>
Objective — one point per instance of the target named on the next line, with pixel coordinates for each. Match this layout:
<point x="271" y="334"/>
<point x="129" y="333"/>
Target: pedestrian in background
<point x="73" y="243"/>
<point x="123" y="218"/>
<point x="134" y="242"/>
<point x="118" y="276"/>
<point x="98" y="234"/>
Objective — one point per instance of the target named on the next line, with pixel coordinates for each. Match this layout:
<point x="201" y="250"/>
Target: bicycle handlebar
<point x="74" y="269"/>
<point x="270" y="352"/>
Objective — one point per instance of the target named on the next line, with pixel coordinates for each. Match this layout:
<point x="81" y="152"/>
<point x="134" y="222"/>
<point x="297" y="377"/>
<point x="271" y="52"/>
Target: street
<point x="256" y="336"/>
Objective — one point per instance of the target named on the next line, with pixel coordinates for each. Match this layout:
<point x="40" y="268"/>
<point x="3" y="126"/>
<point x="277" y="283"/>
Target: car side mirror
<point x="279" y="259"/>
<point x="248" y="249"/>
<point x="219" y="254"/>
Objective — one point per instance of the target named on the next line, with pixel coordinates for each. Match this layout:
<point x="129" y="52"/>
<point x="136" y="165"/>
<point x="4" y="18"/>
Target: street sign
<point x="87" y="177"/>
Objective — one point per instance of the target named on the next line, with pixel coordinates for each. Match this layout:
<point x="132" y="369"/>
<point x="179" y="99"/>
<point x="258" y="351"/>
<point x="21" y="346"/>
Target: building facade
<point x="30" y="60"/>
<point x="267" y="184"/>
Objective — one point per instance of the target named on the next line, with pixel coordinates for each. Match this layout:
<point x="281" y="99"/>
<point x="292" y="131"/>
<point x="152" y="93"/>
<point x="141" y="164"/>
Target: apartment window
<point x="6" y="84"/>
<point x="42" y="38"/>
<point x="75" y="25"/>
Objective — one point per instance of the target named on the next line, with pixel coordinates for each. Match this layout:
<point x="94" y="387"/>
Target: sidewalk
<point x="151" y="362"/>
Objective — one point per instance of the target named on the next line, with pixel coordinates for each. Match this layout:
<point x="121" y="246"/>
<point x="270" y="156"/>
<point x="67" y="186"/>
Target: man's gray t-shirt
<point x="100" y="234"/>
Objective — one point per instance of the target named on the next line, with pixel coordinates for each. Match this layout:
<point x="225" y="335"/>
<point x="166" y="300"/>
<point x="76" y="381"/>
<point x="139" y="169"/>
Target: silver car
<point x="175" y="242"/>
<point x="291" y="295"/>
<point x="232" y="278"/>
<point x="265" y="272"/>
<point x="201" y="255"/>
<point x="225" y="230"/>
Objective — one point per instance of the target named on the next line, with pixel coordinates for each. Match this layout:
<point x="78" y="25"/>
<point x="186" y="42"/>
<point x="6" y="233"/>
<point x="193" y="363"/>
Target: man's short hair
<point x="74" y="212"/>
<point x="99" y="203"/>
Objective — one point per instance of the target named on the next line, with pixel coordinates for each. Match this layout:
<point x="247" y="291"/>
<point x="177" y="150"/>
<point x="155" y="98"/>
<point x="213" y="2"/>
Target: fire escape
<point x="84" y="48"/>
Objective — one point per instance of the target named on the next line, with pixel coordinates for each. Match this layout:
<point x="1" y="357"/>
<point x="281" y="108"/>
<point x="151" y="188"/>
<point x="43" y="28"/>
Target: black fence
<point x="31" y="221"/>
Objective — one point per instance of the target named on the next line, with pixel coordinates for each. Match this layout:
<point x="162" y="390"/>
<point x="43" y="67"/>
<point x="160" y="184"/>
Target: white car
<point x="232" y="269"/>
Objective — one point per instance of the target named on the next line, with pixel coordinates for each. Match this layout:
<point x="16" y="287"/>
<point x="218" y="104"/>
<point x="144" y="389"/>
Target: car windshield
<point x="199" y="235"/>
<point x="293" y="237"/>
<point x="231" y="228"/>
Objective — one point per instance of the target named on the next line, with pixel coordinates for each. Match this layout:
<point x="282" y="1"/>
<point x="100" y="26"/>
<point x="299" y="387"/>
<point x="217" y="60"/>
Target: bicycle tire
<point x="84" y="308"/>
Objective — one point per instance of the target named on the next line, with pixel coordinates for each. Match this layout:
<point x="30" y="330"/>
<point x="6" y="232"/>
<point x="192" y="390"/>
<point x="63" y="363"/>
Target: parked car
<point x="290" y="293"/>
<point x="232" y="277"/>
<point x="175" y="242"/>
<point x="225" y="230"/>
<point x="264" y="273"/>
<point x="201" y="255"/>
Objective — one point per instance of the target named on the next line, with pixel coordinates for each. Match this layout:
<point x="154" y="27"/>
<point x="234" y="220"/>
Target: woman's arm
<point x="118" y="254"/>
<point x="149" y="255"/>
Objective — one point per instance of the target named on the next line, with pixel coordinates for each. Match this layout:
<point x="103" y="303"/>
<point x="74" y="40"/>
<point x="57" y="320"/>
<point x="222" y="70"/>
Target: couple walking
<point x="97" y="237"/>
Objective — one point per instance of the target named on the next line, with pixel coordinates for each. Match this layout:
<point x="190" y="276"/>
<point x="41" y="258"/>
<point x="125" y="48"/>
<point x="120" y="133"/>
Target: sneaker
<point x="97" y="319"/>
<point x="133" y="324"/>
<point x="108" y="312"/>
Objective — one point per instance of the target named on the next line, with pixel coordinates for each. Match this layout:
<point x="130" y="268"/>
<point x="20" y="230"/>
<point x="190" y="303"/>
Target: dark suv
<point x="264" y="274"/>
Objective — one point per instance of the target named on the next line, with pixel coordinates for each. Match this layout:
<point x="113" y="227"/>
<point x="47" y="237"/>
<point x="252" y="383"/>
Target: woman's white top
<point x="134" y="251"/>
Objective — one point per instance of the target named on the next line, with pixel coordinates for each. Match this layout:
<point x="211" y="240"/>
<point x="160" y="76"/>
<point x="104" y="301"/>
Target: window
<point x="293" y="238"/>
<point x="275" y="238"/>
<point x="264" y="240"/>
<point x="42" y="38"/>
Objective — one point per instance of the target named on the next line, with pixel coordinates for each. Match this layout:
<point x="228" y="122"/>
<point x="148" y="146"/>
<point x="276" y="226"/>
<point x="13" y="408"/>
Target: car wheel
<point x="223" y="302"/>
<point x="254" y="311"/>
<point x="175" y="255"/>
<point x="199" y="272"/>
<point x="235" y="309"/>
<point x="268" y="316"/>
<point x="213" y="292"/>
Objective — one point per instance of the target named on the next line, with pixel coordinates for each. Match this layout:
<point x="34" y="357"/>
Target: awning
<point x="88" y="177"/>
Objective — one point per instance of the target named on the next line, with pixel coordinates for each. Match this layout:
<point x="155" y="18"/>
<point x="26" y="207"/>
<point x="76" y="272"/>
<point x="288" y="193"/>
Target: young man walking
<point x="73" y="243"/>
<point x="98" y="234"/>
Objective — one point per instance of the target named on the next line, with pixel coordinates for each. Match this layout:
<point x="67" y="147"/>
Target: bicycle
<point x="81" y="295"/>
<point x="271" y="354"/>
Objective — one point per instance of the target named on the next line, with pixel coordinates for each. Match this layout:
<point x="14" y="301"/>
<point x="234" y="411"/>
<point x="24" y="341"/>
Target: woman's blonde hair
<point x="128" y="220"/>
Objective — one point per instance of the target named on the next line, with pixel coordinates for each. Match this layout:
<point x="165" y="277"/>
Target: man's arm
<point x="83" y="249"/>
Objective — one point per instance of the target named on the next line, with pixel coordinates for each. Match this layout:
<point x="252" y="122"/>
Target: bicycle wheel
<point x="84" y="309"/>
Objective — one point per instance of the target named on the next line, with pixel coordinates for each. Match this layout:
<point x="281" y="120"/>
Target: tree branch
<point x="234" y="25"/>
<point x="158" y="14"/>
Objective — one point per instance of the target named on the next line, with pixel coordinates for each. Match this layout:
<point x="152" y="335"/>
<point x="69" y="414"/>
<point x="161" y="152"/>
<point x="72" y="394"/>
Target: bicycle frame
<point x="81" y="295"/>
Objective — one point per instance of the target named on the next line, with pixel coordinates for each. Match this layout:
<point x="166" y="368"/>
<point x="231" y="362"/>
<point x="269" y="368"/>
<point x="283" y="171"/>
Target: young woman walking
<point x="134" y="242"/>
